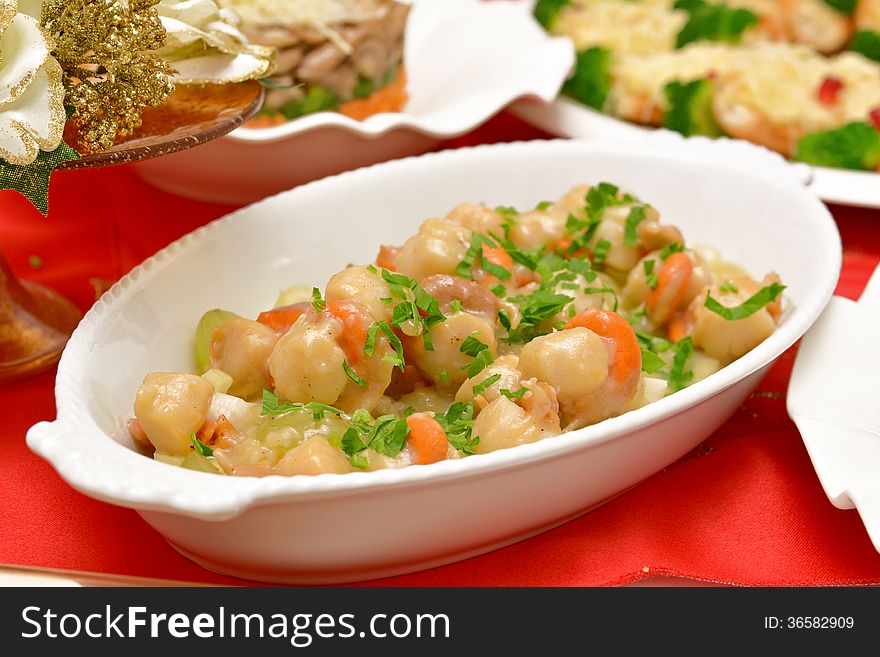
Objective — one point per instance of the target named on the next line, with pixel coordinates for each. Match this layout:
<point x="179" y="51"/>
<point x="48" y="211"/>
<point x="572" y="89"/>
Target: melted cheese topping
<point x="627" y="27"/>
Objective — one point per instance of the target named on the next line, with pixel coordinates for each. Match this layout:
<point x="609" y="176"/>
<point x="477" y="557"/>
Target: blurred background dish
<point x="800" y="77"/>
<point x="465" y="60"/>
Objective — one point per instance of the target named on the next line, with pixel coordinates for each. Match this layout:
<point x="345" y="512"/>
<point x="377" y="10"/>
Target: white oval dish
<point x="565" y="117"/>
<point x="466" y="60"/>
<point x="333" y="528"/>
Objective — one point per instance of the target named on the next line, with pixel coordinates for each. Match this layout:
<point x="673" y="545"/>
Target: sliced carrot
<point x="354" y="329"/>
<point x="611" y="326"/>
<point x="390" y="98"/>
<point x="677" y="328"/>
<point x="387" y="258"/>
<point x="427" y="438"/>
<point x="677" y="266"/>
<point x="281" y="319"/>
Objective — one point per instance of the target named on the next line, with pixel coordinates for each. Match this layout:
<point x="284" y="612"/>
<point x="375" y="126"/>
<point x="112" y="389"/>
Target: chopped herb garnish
<point x="634" y="218"/>
<point x="443" y="376"/>
<point x="653" y="343"/>
<point x="600" y="254"/>
<point x="271" y="406"/>
<point x="606" y="289"/>
<point x="416" y="308"/>
<point x="458" y="423"/>
<point x="669" y="249"/>
<point x="385" y="435"/>
<point x="472" y="345"/>
<point x="199" y="447"/>
<point x="456" y="306"/>
<point x="484" y="385"/>
<point x="651" y="362"/>
<point x="650" y="275"/>
<point x="544" y="205"/>
<point x="516" y="394"/>
<point x="372" y="269"/>
<point x="728" y="287"/>
<point x="474" y="252"/>
<point x="499" y="290"/>
<point x="318" y="302"/>
<point x="678" y="376"/>
<point x="353" y="375"/>
<point x="747" y="308"/>
<point x="386" y="300"/>
<point x="496" y="270"/>
<point x="535" y="309"/>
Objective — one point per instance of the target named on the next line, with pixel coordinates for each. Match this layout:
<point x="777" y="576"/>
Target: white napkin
<point x="834" y="400"/>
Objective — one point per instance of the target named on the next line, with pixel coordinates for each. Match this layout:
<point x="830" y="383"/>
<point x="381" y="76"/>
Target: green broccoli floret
<point x="690" y="109"/>
<point x="867" y="43"/>
<point x="846" y="7"/>
<point x="591" y="81"/>
<point x="854" y="146"/>
<point x="546" y="11"/>
<point x="713" y="22"/>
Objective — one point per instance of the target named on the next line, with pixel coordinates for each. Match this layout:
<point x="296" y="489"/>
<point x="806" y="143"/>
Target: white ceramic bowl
<point x="466" y="60"/>
<point x="333" y="528"/>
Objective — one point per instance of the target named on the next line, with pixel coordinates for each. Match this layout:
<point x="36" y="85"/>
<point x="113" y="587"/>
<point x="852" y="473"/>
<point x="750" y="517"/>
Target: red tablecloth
<point x="745" y="507"/>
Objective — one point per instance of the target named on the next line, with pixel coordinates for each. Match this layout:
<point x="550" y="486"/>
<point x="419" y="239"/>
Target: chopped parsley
<point x="416" y="307"/>
<point x="353" y="375"/>
<point x="633" y="219"/>
<point x="386" y="435"/>
<point x="485" y="384"/>
<point x="678" y="376"/>
<point x="458" y="423"/>
<point x="271" y="406"/>
<point x="600" y="254"/>
<point x="728" y="287"/>
<point x="650" y="346"/>
<point x="499" y="291"/>
<point x="747" y="308"/>
<point x="318" y="302"/>
<point x="479" y="352"/>
<point x="650" y="275"/>
<point x="605" y="289"/>
<point x="456" y="306"/>
<point x="199" y="447"/>
<point x="544" y="205"/>
<point x="369" y="346"/>
<point x="535" y="309"/>
<point x="514" y="394"/>
<point x="669" y="249"/>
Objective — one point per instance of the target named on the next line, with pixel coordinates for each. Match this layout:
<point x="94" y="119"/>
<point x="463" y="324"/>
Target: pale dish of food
<point x="801" y="77"/>
<point x="333" y="55"/>
<point x="486" y="329"/>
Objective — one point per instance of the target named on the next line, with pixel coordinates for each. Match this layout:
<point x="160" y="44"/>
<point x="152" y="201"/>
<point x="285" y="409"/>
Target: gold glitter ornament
<point x="110" y="76"/>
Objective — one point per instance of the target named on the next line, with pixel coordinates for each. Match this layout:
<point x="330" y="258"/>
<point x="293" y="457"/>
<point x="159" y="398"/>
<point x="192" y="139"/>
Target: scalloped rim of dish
<point x="66" y="442"/>
<point x="844" y="186"/>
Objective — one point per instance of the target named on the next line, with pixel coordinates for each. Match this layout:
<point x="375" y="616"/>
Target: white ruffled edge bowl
<point x="279" y="528"/>
<point x="466" y="60"/>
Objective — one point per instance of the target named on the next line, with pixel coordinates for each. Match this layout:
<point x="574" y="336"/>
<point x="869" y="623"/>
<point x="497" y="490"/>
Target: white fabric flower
<point x="205" y="45"/>
<point x="31" y="94"/>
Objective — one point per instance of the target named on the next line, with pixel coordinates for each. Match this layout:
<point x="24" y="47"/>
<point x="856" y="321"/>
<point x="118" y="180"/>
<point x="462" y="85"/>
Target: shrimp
<point x="593" y="364"/>
<point x="816" y="24"/>
<point x="504" y="423"/>
<point x="679" y="278"/>
<point x="723" y="339"/>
